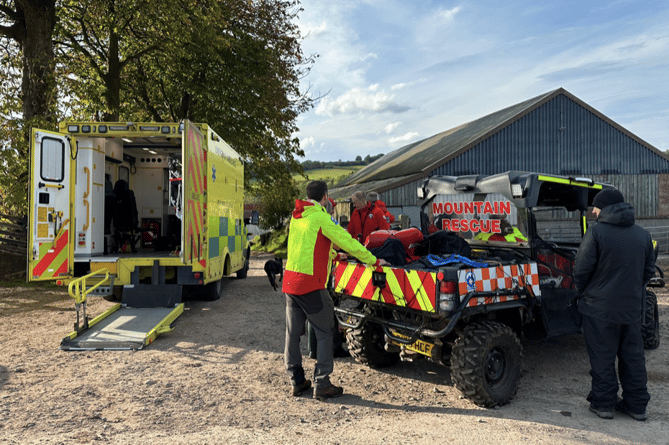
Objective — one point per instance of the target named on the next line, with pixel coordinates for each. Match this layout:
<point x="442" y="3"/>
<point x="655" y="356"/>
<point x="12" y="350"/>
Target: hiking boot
<point x="299" y="389"/>
<point x="604" y="413"/>
<point x="328" y="392"/>
<point x="622" y="408"/>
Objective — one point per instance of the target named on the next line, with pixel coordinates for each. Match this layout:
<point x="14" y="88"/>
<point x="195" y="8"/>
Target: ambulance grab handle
<point x="55" y="186"/>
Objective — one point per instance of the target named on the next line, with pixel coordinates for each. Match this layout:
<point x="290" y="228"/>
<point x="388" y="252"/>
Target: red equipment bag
<point x="409" y="238"/>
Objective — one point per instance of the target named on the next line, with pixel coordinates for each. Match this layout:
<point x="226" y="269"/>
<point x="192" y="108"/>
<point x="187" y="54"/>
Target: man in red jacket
<point x="365" y="219"/>
<point x="304" y="283"/>
<point x="373" y="198"/>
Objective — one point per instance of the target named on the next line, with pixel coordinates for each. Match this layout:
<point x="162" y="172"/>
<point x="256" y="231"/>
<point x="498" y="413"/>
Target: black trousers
<point x="605" y="342"/>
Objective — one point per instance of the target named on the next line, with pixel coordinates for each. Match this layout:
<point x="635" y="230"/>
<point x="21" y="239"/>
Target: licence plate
<point x="419" y="346"/>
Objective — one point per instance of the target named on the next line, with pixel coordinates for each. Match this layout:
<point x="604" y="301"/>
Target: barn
<point x="555" y="133"/>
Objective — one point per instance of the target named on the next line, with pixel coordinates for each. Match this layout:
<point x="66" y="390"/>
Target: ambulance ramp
<point x="123" y="328"/>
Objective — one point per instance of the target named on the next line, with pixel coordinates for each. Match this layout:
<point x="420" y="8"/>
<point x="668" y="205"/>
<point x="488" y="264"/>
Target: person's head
<point x="358" y="200"/>
<point x="317" y="190"/>
<point x="606" y="198"/>
<point x="372" y="197"/>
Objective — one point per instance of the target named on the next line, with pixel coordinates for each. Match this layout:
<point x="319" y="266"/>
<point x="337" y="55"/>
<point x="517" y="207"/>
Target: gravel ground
<point x="219" y="378"/>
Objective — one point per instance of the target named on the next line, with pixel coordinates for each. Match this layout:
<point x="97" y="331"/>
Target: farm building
<point x="554" y="133"/>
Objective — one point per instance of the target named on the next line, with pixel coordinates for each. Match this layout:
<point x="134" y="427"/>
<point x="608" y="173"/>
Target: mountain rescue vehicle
<point x="486" y="268"/>
<point x="144" y="212"/>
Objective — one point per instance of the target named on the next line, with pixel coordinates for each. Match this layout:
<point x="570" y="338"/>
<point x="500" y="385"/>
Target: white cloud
<point x="307" y="142"/>
<point x="398" y="86"/>
<point x="392" y="127"/>
<point x="449" y="14"/>
<point x="359" y="100"/>
<point x="403" y="139"/>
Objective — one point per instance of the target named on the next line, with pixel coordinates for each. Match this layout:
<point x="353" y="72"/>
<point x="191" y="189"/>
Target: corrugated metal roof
<point x="425" y="157"/>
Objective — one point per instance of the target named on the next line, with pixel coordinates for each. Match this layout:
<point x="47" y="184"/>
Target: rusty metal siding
<point x="559" y="137"/>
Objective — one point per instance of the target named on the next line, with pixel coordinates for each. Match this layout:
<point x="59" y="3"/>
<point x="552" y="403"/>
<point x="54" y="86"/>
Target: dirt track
<point x="219" y="378"/>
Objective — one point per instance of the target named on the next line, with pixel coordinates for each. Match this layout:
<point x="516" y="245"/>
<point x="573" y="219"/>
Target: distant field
<point x="334" y="173"/>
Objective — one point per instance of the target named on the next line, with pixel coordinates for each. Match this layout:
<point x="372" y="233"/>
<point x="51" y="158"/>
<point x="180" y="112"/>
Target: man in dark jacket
<point x="613" y="264"/>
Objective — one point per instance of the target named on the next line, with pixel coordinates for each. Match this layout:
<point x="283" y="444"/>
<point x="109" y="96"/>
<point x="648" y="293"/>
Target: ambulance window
<point x="53" y="160"/>
<point x="124" y="173"/>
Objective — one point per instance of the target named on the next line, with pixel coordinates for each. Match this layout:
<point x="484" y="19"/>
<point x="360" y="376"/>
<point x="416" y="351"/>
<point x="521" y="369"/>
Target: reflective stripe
<point x="404" y="288"/>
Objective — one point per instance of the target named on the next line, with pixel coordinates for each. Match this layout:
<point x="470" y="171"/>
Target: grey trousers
<point x="318" y="308"/>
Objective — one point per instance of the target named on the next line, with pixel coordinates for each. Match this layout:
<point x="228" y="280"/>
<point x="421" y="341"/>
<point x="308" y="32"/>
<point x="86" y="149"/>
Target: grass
<point x="276" y="243"/>
<point x="337" y="173"/>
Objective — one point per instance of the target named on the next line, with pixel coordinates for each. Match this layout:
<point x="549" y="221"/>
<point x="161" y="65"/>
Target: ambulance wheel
<point x="650" y="329"/>
<point x="367" y="345"/>
<point x="486" y="362"/>
<point x="244" y="271"/>
<point x="213" y="291"/>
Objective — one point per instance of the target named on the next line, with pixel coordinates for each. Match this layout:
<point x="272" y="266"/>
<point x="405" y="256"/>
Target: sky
<point x="392" y="72"/>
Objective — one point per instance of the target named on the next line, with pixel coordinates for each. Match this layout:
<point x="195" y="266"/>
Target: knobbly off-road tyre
<point x="486" y="362"/>
<point x="650" y="329"/>
<point x="366" y="345"/>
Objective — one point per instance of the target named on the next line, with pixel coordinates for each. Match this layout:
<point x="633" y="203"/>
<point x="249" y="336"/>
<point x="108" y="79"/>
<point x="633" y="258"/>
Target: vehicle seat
<point x="125" y="218"/>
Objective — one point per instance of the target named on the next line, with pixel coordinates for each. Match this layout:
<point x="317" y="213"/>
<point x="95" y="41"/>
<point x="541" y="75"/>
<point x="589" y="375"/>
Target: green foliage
<point x="359" y="162"/>
<point x="276" y="242"/>
<point x="278" y="200"/>
<point x="234" y="64"/>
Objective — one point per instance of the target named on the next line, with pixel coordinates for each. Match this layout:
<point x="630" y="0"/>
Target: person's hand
<point x="383" y="262"/>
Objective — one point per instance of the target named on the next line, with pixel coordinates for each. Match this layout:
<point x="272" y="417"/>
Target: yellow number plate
<point x="419" y="346"/>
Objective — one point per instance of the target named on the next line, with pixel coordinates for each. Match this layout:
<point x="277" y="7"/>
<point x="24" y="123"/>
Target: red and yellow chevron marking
<point x="194" y="192"/>
<point x="54" y="258"/>
<point x="489" y="279"/>
<point x="413" y="289"/>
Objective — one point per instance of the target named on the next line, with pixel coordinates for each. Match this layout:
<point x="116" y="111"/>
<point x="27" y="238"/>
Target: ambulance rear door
<point x="194" y="179"/>
<point x="50" y="235"/>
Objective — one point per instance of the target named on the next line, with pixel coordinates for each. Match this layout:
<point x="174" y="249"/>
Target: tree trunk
<point x="113" y="80"/>
<point x="39" y="83"/>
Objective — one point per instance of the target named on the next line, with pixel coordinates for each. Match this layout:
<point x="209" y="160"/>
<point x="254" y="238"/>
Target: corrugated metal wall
<point x="559" y="137"/>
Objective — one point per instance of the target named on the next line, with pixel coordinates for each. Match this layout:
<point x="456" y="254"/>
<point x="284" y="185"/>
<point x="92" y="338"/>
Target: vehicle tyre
<point x="486" y="362"/>
<point x="213" y="291"/>
<point x="366" y="345"/>
<point x="244" y="271"/>
<point x="650" y="329"/>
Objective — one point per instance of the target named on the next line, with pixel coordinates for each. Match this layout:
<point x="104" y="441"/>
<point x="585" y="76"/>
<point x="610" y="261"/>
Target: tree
<point x="99" y="40"/>
<point x="30" y="23"/>
<point x="27" y="90"/>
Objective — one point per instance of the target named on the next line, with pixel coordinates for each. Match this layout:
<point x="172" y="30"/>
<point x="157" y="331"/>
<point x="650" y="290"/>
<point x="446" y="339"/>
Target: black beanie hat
<point x="607" y="197"/>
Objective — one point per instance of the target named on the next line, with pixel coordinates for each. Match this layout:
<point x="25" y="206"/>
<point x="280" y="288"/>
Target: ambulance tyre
<point x="650" y="329"/>
<point x="213" y="291"/>
<point x="366" y="345"/>
<point x="486" y="362"/>
<point x="244" y="271"/>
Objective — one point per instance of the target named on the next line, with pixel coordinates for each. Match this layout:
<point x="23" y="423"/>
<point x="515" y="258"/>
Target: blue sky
<point x="398" y="71"/>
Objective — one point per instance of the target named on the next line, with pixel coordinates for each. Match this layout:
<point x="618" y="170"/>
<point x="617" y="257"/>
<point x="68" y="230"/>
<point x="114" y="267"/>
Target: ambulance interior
<point x="136" y="202"/>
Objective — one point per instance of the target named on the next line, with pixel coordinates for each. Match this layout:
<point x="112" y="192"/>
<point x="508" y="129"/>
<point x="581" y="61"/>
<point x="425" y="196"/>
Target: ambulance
<point x="143" y="212"/>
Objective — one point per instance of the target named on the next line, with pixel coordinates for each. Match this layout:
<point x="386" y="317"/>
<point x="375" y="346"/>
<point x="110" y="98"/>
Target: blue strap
<point x="454" y="258"/>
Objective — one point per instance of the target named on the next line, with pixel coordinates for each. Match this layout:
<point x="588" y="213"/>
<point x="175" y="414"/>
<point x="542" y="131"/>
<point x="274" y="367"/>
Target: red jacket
<point x="386" y="214"/>
<point x="309" y="244"/>
<point x="365" y="221"/>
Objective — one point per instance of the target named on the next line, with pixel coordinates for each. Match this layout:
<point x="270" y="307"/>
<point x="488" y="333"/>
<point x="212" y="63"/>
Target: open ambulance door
<point x="50" y="236"/>
<point x="194" y="182"/>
